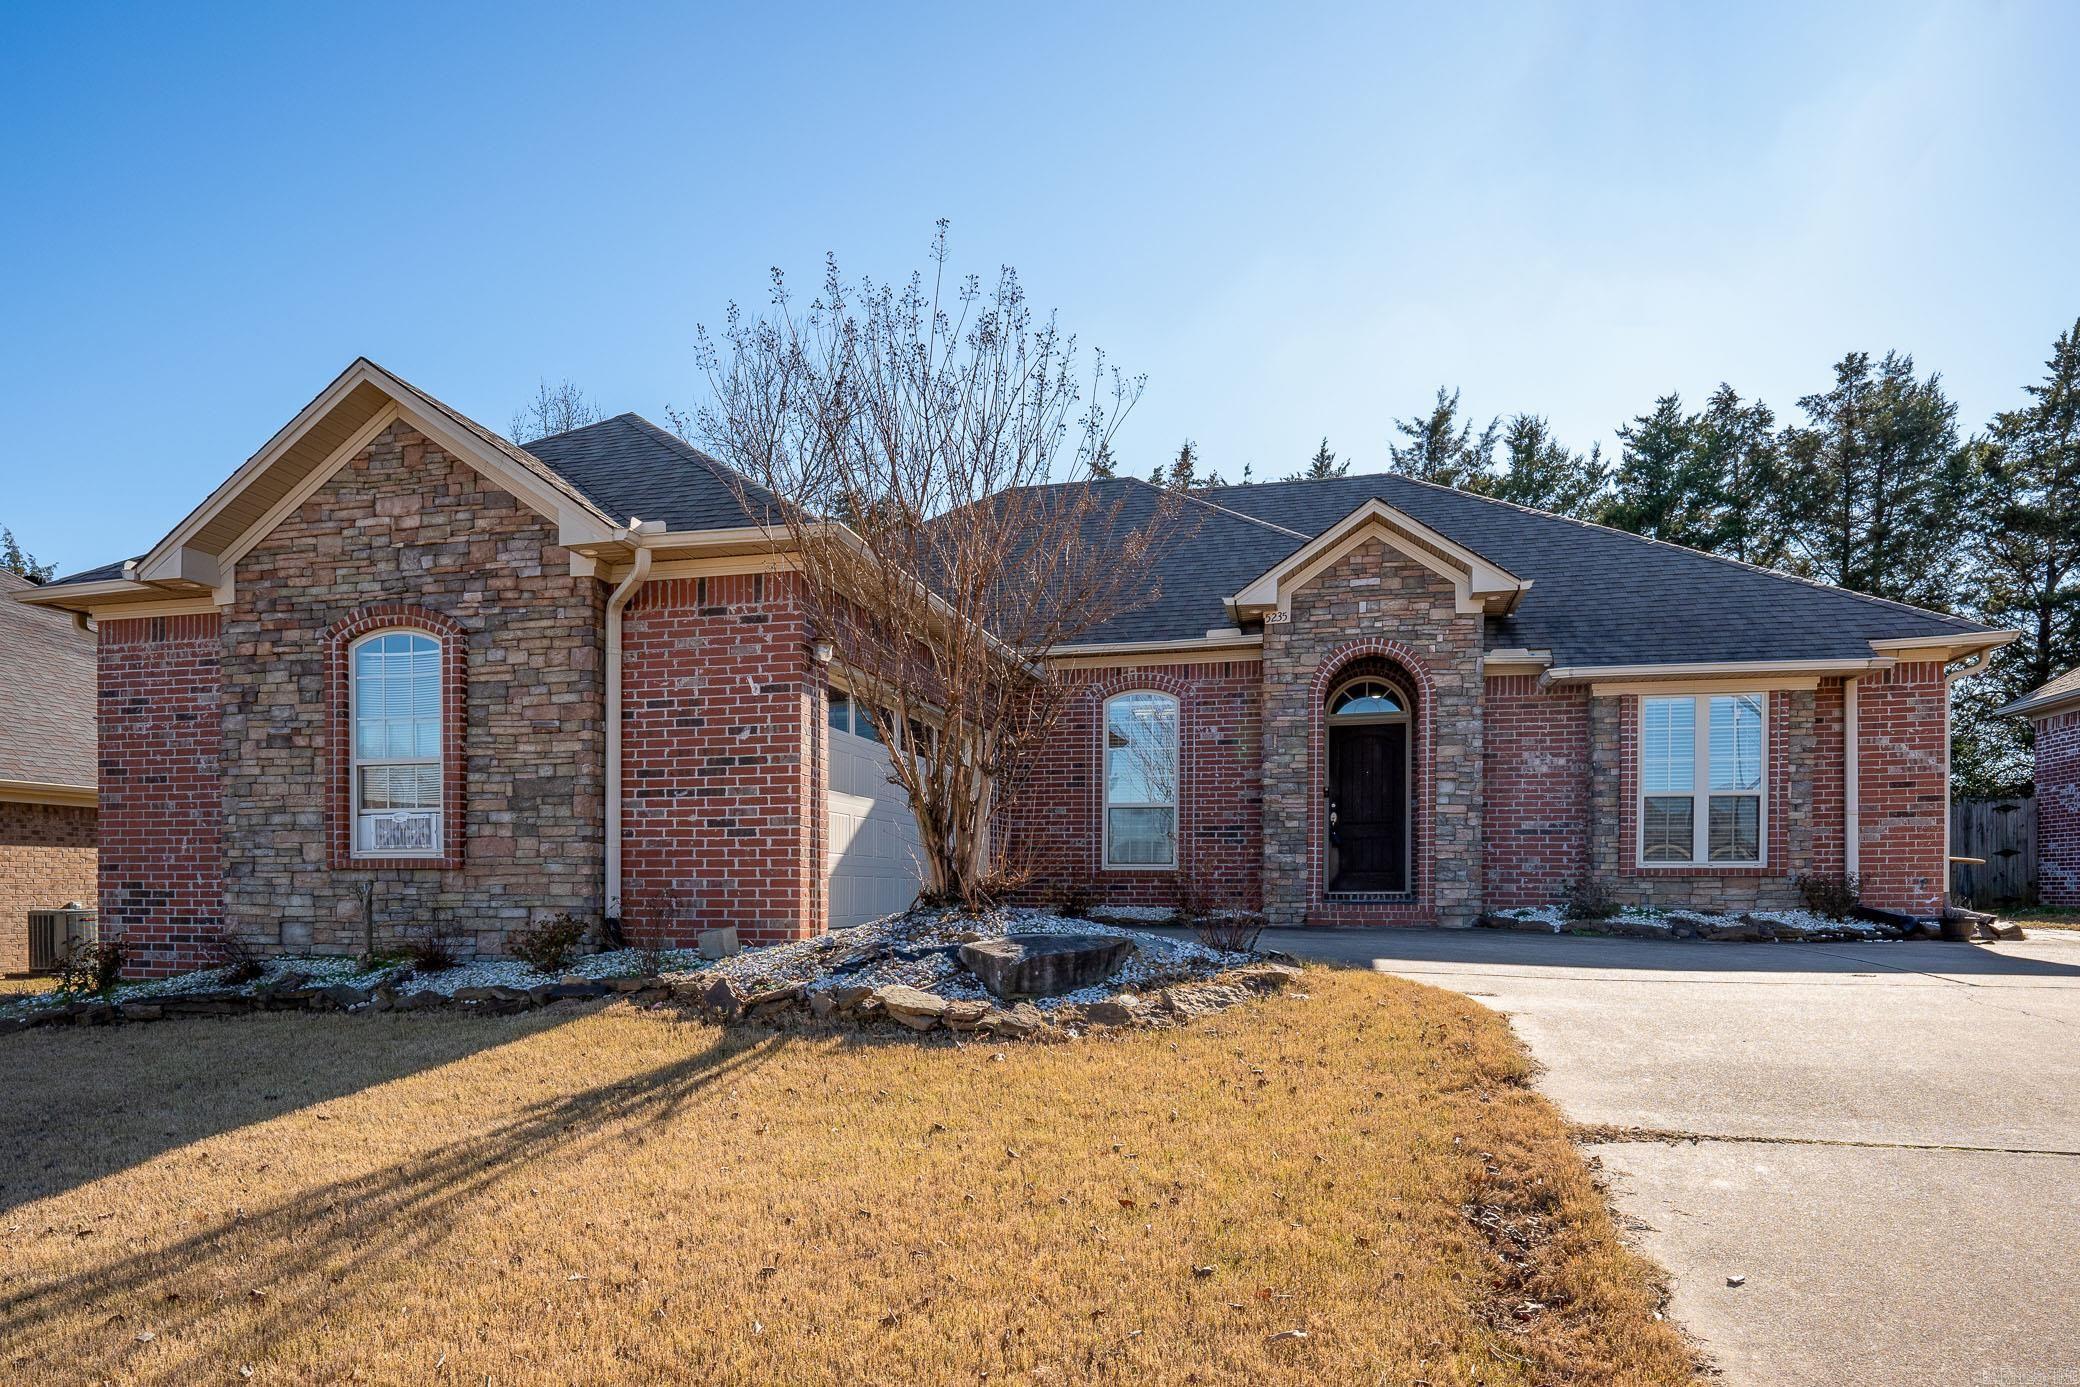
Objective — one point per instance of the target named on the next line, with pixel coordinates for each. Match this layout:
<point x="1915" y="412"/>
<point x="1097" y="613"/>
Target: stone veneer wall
<point x="1052" y="828"/>
<point x="722" y="766"/>
<point x="161" y="877"/>
<point x="46" y="860"/>
<point x="1374" y="603"/>
<point x="406" y="524"/>
<point x="2058" y="809"/>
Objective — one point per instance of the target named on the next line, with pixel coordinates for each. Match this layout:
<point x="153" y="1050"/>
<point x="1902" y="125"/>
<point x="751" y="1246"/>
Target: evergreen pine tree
<point x="1879" y="488"/>
<point x="1540" y="472"/>
<point x="1322" y="466"/>
<point x="1440" y="448"/>
<point x="1184" y="469"/>
<point x="14" y="559"/>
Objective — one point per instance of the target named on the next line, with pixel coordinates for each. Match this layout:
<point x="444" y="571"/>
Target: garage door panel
<point x="874" y="862"/>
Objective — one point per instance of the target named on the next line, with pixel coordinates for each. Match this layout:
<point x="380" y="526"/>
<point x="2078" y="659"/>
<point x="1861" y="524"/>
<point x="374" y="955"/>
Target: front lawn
<point x="2044" y="916"/>
<point x="1351" y="1185"/>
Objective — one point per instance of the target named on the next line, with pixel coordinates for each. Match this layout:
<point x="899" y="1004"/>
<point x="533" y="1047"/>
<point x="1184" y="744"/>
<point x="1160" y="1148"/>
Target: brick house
<point x="47" y="828"/>
<point x="495" y="682"/>
<point x="2054" y="713"/>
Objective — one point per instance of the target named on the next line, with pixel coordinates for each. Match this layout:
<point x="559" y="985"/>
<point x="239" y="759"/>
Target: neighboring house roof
<point x="46" y="697"/>
<point x="2060" y="694"/>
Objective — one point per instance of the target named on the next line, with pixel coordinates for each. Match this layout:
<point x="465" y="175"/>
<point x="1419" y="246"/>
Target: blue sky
<point x="1296" y="220"/>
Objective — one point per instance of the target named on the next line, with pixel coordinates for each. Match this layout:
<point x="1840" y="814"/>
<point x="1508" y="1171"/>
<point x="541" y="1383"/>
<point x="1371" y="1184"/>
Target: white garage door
<point x="873" y="866"/>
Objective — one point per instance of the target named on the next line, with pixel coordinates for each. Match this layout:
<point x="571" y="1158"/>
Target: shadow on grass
<point x="83" y="1103"/>
<point x="332" y="1241"/>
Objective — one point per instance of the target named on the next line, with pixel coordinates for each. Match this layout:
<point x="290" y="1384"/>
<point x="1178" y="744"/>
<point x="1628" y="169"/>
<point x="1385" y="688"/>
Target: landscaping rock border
<point x="713" y="995"/>
<point x="1758" y="927"/>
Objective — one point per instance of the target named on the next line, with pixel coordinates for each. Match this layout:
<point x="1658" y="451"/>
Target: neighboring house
<point x="394" y="648"/>
<point x="46" y="766"/>
<point x="2054" y="711"/>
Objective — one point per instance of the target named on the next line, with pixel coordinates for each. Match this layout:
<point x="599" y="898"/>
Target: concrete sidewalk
<point x="1883" y="1139"/>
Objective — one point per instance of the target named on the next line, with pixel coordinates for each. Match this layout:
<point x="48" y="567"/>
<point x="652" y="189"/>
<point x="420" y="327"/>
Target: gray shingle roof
<point x="1598" y="596"/>
<point x="1604" y="597"/>
<point x="2064" y="689"/>
<point x="46" y="693"/>
<point x="629" y="467"/>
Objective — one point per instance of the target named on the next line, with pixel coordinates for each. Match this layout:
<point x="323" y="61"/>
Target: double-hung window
<point x="1701" y="781"/>
<point x="396" y="712"/>
<point x="1141" y="780"/>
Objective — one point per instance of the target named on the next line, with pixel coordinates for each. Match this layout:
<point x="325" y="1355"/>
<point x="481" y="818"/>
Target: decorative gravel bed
<point x="904" y="968"/>
<point x="1754" y="926"/>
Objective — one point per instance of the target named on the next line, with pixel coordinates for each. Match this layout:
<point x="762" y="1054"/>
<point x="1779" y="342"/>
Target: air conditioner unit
<point x="54" y="934"/>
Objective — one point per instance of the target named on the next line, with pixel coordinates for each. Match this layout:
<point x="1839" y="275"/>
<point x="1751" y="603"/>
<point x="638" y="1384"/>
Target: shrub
<point x="1232" y="932"/>
<point x="550" y="946"/>
<point x="1194" y="901"/>
<point x="434" y="949"/>
<point x="1587" y="898"/>
<point x="1076" y="896"/>
<point x="650" y="960"/>
<point x="94" y="967"/>
<point x="235" y="955"/>
<point x="1833" y="894"/>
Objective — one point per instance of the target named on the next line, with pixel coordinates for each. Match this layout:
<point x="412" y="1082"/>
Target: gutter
<point x="639" y="570"/>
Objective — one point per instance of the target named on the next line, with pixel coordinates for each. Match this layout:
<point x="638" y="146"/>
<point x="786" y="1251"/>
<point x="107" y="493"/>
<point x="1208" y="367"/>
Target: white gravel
<point x="1156" y="961"/>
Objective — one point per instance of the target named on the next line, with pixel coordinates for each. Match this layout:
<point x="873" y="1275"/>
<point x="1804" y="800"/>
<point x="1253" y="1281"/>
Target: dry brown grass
<point x="622" y="1195"/>
<point x="2044" y="916"/>
<point x="11" y="986"/>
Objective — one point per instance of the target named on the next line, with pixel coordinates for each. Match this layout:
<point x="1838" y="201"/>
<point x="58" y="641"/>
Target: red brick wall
<point x="1903" y="726"/>
<point x="46" y="860"/>
<point x="1052" y="826"/>
<point x="1537" y="751"/>
<point x="722" y="776"/>
<point x="2058" y="809"/>
<point x="161" y="878"/>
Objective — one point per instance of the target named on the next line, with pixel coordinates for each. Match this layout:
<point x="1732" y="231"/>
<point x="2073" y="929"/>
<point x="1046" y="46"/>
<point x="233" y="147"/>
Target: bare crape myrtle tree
<point x="904" y="444"/>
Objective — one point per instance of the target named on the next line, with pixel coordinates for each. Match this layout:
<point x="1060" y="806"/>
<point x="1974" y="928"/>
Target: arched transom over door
<point x="1369" y="822"/>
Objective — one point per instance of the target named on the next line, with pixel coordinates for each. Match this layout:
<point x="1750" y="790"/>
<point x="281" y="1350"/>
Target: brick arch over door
<point x="339" y="742"/>
<point x="1393" y="660"/>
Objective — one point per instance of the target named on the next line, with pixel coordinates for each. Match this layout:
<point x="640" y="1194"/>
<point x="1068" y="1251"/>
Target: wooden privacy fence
<point x="2004" y="832"/>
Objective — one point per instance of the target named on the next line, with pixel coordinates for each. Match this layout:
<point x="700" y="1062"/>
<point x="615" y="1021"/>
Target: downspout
<point x="637" y="572"/>
<point x="1852" y="808"/>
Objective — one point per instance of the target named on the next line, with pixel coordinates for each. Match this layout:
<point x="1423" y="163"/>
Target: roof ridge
<point x="1643" y="539"/>
<point x="1191" y="495"/>
<point x="580" y="428"/>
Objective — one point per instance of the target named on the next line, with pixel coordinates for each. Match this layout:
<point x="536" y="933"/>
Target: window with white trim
<point x="1701" y="780"/>
<point x="395" y="706"/>
<point x="1141" y="780"/>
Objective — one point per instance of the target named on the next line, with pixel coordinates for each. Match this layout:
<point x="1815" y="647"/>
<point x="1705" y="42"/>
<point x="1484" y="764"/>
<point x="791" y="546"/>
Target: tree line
<point x="1871" y="487"/>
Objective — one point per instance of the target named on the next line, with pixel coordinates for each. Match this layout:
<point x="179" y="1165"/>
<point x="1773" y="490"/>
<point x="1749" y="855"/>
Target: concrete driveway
<point x="1883" y="1139"/>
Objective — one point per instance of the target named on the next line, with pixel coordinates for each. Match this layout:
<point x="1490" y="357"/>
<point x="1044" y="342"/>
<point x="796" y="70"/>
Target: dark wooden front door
<point x="1368" y="802"/>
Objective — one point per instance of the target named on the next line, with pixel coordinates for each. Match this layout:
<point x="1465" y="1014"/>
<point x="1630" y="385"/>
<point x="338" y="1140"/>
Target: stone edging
<point x="714" y="996"/>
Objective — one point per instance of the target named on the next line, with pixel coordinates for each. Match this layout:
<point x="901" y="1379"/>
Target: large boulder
<point x="1045" y="965"/>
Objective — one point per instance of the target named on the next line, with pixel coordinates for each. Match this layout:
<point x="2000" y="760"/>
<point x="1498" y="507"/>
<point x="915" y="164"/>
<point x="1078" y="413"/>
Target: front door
<point x="1368" y="807"/>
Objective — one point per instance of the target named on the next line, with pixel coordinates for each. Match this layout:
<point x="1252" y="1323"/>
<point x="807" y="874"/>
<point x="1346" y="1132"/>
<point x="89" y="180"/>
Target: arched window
<point x="1141" y="780"/>
<point x="1369" y="698"/>
<point x="395" y="711"/>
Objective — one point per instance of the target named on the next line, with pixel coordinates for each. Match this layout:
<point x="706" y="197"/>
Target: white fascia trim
<point x="47" y="792"/>
<point x="1480" y="579"/>
<point x="1210" y="642"/>
<point x="1962" y="644"/>
<point x="1569" y="674"/>
<point x="76" y="596"/>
